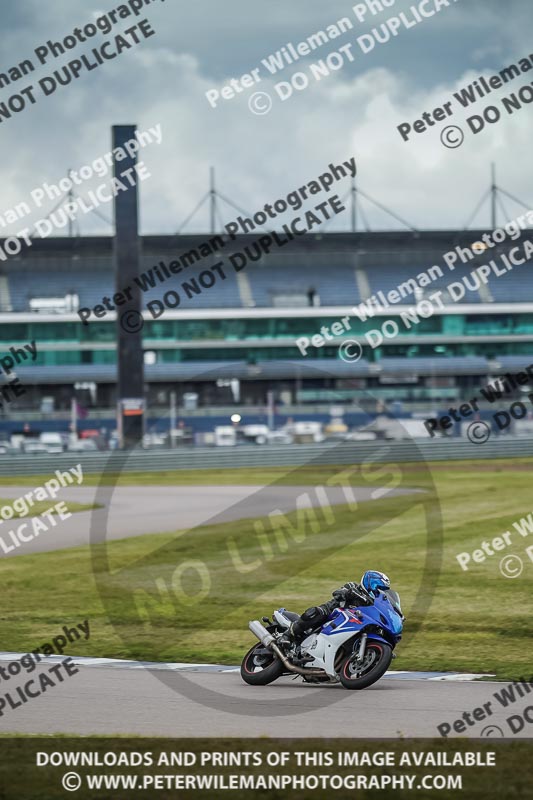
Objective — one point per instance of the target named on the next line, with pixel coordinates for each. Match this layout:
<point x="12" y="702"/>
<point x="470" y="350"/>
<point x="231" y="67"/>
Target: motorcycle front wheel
<point x="353" y="675"/>
<point x="260" y="666"/>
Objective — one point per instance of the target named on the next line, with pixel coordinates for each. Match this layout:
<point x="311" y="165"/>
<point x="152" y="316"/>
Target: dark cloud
<point x="200" y="45"/>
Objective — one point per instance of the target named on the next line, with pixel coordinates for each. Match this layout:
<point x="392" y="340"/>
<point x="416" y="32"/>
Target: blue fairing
<point x="365" y="619"/>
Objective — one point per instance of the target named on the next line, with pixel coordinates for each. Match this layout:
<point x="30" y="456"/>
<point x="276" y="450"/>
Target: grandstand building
<point x="244" y="328"/>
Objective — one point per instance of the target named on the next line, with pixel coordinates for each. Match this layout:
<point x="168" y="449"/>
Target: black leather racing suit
<point x="314" y="617"/>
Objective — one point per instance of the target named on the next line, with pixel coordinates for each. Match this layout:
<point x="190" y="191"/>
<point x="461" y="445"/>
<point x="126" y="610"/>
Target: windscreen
<point x="394" y="597"/>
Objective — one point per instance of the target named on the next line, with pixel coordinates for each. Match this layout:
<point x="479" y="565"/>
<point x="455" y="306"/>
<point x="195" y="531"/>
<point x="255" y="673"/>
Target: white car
<point x="83" y="446"/>
<point x="153" y="441"/>
<point x="280" y="437"/>
<point x="54" y="442"/>
<point x="261" y="434"/>
<point x="361" y="436"/>
<point x="32" y="447"/>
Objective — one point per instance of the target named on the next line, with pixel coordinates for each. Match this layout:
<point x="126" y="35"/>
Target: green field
<point x="313" y="473"/>
<point x="40" y="506"/>
<point x="467" y="621"/>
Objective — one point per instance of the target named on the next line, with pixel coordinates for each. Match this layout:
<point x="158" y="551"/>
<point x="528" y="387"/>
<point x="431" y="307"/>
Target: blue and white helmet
<point x="375" y="582"/>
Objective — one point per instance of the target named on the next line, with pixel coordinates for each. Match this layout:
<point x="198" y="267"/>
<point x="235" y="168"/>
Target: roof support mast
<point x="494" y="198"/>
<point x="354" y="207"/>
<point x="213" y="200"/>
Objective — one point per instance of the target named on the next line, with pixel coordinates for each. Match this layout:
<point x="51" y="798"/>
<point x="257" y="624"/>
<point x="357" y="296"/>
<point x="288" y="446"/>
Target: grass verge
<point x="252" y="476"/>
<point x="144" y="602"/>
<point x="40" y="506"/>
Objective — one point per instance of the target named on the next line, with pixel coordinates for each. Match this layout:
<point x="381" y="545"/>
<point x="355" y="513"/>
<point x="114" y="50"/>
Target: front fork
<point x="362" y="649"/>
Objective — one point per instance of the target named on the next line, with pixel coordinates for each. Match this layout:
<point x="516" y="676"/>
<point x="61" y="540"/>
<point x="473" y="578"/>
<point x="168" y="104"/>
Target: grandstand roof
<point x="337" y="269"/>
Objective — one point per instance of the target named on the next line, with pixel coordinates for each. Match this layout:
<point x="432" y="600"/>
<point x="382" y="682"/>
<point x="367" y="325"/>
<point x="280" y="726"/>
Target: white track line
<point x="118" y="663"/>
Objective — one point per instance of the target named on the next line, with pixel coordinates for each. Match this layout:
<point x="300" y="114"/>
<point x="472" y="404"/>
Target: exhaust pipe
<point x="261" y="632"/>
<point x="268" y="640"/>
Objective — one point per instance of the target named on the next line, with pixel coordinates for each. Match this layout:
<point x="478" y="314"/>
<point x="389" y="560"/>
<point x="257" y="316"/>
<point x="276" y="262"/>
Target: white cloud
<point x="259" y="158"/>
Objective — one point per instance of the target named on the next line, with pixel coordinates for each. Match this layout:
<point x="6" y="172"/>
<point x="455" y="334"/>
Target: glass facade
<point x="266" y="339"/>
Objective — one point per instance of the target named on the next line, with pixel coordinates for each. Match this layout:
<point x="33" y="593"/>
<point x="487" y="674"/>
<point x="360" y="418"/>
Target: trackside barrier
<point x="270" y="456"/>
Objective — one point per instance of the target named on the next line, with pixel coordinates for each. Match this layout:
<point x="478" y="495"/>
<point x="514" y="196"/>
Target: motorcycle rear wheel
<point x="260" y="666"/>
<point x="378" y="657"/>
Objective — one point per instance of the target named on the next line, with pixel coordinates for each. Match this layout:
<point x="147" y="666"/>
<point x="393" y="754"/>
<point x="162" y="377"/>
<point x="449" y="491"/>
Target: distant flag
<point x="81" y="411"/>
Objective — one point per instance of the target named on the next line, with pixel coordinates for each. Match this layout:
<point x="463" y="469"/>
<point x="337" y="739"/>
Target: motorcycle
<point x="354" y="646"/>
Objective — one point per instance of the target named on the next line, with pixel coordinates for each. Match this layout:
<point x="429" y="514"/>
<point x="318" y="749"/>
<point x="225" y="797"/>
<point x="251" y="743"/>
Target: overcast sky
<point x="202" y="44"/>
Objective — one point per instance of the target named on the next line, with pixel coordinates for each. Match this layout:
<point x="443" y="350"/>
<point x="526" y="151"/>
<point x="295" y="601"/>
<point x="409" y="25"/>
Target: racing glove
<point x="352" y="592"/>
<point x="346" y="591"/>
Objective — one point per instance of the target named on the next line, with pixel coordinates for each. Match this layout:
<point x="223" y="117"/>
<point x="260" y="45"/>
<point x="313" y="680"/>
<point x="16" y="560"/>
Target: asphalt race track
<point x="132" y="700"/>
<point x="134" y="510"/>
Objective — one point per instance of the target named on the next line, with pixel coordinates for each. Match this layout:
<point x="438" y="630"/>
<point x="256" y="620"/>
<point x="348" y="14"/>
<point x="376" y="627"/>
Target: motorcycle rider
<point x="372" y="582"/>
